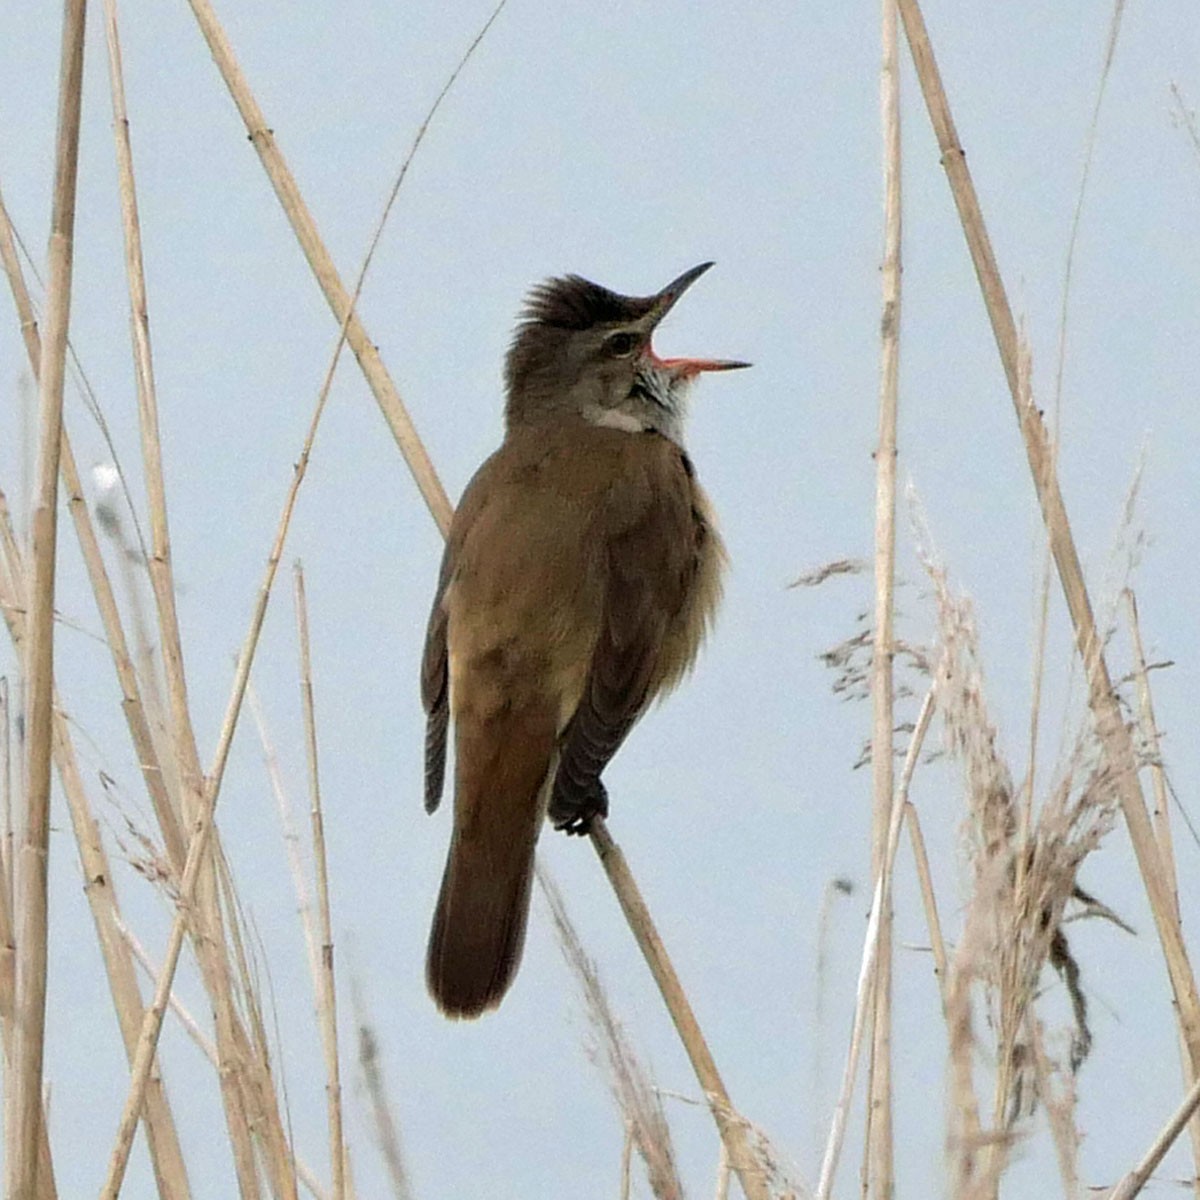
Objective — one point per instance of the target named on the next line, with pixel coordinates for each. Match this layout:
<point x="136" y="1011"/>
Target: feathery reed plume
<point x="631" y="1086"/>
<point x="1112" y="733"/>
<point x="1013" y="923"/>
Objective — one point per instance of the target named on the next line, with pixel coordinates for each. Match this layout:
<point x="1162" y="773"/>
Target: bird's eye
<point x="620" y="345"/>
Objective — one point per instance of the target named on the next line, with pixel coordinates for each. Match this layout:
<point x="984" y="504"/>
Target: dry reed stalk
<point x="206" y="1046"/>
<point x="131" y="703"/>
<point x="879" y="1149"/>
<point x="209" y="940"/>
<point x="327" y="996"/>
<point x="159" y="563"/>
<point x="1025" y="814"/>
<point x="627" y="1162"/>
<point x="732" y="1129"/>
<point x="6" y="795"/>
<point x="291" y="839"/>
<point x="8" y="946"/>
<point x="835" y="887"/>
<point x="1027" y="399"/>
<point x="1148" y="726"/>
<point x="182" y="1014"/>
<point x="208" y="945"/>
<point x="1132" y="1184"/>
<point x="865" y="994"/>
<point x="202" y="823"/>
<point x="339" y="299"/>
<point x="723" y="1174"/>
<point x="431" y="489"/>
<point x="937" y="943"/>
<point x="166" y="1155"/>
<point x="251" y="1056"/>
<point x="632" y="1087"/>
<point x="32" y="916"/>
<point x="1110" y="50"/>
<point x="11" y="606"/>
<point x="1111" y="730"/>
<point x="12" y="268"/>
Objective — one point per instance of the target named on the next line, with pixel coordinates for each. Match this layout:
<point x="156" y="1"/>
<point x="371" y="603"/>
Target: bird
<point x="581" y="574"/>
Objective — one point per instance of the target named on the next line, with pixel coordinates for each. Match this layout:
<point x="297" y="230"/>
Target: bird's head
<point x="585" y="351"/>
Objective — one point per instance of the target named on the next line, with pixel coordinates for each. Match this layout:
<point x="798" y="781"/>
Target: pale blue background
<point x="625" y="141"/>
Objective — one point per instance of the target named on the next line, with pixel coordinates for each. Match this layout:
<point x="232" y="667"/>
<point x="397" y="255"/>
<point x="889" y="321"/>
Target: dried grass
<point x="1012" y="926"/>
<point x="632" y="1087"/>
<point x="25" y="1138"/>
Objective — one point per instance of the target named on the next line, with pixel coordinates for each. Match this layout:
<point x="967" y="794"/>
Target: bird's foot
<point x="574" y="814"/>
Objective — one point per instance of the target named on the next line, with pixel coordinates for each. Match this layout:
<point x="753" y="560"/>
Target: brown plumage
<point x="581" y="573"/>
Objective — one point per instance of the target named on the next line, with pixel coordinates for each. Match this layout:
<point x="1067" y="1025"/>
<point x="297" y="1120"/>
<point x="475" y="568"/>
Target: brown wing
<point x="435" y="690"/>
<point x="651" y="567"/>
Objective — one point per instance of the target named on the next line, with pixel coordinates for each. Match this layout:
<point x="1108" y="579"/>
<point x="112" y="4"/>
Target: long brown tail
<point x="483" y="906"/>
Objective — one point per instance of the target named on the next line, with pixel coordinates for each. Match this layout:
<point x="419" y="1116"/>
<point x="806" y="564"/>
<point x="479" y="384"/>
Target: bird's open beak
<point x="663" y="303"/>
<point x="687" y="367"/>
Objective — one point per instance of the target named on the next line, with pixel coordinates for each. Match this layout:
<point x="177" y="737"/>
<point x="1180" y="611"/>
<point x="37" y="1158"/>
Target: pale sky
<point x="625" y="142"/>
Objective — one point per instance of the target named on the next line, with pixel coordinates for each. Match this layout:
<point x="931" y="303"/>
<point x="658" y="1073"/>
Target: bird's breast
<point x="545" y="525"/>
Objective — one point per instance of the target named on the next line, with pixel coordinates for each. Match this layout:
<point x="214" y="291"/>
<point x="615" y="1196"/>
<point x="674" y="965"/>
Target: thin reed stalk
<point x="6" y="794"/>
<point x="24" y="1140"/>
<point x="206" y="1046"/>
<point x="1131" y="1184"/>
<point x="327" y="997"/>
<point x="1111" y="730"/>
<point x="131" y="703"/>
<point x="431" y="489"/>
<point x="339" y="299"/>
<point x="165" y="1152"/>
<point x="732" y="1129"/>
<point x="45" y="1180"/>
<point x="161" y="574"/>
<point x="639" y="1100"/>
<point x="1161" y="820"/>
<point x="210" y="943"/>
<point x="864" y="998"/>
<point x="879" y="1147"/>
<point x="202" y="823"/>
<point x="182" y="1014"/>
<point x="723" y="1174"/>
<point x="251" y="1054"/>
<point x="937" y="942"/>
<point x="291" y="839"/>
<point x="1148" y="725"/>
<point x="8" y="963"/>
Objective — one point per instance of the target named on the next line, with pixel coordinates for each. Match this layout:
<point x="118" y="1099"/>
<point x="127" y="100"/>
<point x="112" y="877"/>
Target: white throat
<point x="615" y="418"/>
<point x="656" y="402"/>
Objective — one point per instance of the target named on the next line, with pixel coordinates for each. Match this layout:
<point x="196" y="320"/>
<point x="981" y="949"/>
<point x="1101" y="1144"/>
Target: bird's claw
<point x="575" y="816"/>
